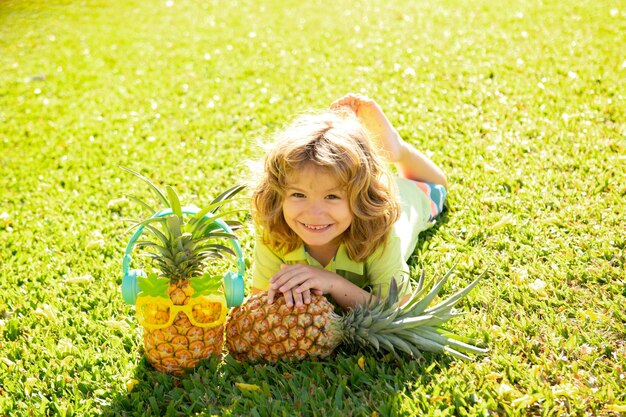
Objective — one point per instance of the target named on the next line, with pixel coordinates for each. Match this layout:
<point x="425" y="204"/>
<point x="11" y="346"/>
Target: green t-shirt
<point x="376" y="271"/>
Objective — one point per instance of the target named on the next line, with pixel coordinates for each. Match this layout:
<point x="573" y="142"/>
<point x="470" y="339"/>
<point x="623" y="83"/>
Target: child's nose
<point x="315" y="208"/>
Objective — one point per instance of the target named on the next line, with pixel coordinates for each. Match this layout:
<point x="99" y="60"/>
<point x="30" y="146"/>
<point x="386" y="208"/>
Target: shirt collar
<point x="341" y="262"/>
<point x="298" y="254"/>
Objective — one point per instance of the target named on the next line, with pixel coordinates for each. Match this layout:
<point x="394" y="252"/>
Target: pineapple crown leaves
<point x="218" y="201"/>
<point x="154" y="188"/>
<point x="410" y="326"/>
<point x="203" y="229"/>
<point x="171" y="200"/>
<point x="152" y="285"/>
<point x="183" y="252"/>
<point x="176" y="236"/>
<point x="184" y="241"/>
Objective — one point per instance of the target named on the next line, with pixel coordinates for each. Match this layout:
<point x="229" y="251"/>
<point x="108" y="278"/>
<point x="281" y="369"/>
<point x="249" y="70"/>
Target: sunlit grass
<point x="521" y="103"/>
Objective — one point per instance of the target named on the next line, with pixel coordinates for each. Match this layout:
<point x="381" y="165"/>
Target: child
<point x="331" y="218"/>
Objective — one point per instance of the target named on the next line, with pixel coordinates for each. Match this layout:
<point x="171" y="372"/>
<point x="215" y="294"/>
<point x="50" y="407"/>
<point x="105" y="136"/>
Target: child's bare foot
<point x="375" y="121"/>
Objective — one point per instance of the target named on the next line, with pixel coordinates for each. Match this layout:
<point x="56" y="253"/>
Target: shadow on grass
<point x="442" y="219"/>
<point x="425" y="237"/>
<point x="338" y="386"/>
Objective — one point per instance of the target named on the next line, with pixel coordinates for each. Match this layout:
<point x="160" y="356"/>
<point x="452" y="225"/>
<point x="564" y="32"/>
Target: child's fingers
<point x="279" y="277"/>
<point x="297" y="298"/>
<point x="270" y="295"/>
<point x="286" y="273"/>
<point x="279" y="280"/>
<point x="312" y="285"/>
<point x="300" y="280"/>
<point x="288" y="298"/>
<point x="305" y="286"/>
<point x="293" y="282"/>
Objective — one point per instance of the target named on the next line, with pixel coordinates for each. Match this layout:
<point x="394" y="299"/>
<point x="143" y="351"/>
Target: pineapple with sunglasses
<point x="182" y="307"/>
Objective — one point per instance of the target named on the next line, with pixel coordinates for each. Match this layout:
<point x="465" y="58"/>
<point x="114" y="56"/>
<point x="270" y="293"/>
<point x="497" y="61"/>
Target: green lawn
<point x="521" y="102"/>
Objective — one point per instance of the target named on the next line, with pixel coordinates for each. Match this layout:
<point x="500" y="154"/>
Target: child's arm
<point x="310" y="280"/>
<point x="296" y="282"/>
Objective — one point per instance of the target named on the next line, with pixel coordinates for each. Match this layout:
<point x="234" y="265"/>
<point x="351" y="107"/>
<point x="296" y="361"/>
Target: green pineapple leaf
<point x="163" y="250"/>
<point x="142" y="203"/>
<point x="204" y="224"/>
<point x="153" y="285"/>
<point x="174" y="226"/>
<point x="205" y="285"/>
<point x="174" y="201"/>
<point x="227" y="195"/>
<point x="180" y="244"/>
<point x="421" y="305"/>
<point x="234" y="225"/>
<point x="452" y="300"/>
<point x="217" y="203"/>
<point x="146" y="222"/>
<point x="410" y="326"/>
<point x="156" y="190"/>
<point x="156" y="232"/>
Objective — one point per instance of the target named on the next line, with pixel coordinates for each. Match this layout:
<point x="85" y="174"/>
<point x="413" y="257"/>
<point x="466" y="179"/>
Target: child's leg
<point x="437" y="195"/>
<point x="414" y="165"/>
<point x="411" y="163"/>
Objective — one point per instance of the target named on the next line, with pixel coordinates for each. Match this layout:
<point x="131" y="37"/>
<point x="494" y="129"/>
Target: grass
<point x="521" y="102"/>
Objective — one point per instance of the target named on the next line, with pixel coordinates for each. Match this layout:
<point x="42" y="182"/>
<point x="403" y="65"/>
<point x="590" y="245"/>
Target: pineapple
<point x="181" y="247"/>
<point x="270" y="332"/>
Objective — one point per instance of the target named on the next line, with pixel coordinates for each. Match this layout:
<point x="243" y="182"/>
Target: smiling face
<point x="316" y="208"/>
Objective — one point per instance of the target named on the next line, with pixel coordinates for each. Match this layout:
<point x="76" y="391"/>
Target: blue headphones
<point x="233" y="281"/>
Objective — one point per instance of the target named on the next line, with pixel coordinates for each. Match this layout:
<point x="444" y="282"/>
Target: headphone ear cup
<point x="130" y="287"/>
<point x="233" y="289"/>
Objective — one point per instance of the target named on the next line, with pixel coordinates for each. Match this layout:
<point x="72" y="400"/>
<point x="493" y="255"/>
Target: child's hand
<point x="297" y="282"/>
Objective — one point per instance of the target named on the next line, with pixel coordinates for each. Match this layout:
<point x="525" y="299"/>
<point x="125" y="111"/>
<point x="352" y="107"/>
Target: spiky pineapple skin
<point x="258" y="331"/>
<point x="179" y="347"/>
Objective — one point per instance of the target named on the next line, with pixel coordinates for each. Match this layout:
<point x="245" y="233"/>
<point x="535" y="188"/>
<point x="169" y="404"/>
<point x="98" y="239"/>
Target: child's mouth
<point x="316" y="227"/>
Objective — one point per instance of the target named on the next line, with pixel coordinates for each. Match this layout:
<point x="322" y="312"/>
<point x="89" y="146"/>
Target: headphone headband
<point x="233" y="283"/>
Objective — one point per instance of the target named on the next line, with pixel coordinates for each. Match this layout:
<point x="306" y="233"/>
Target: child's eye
<point x="297" y="195"/>
<point x="333" y="197"/>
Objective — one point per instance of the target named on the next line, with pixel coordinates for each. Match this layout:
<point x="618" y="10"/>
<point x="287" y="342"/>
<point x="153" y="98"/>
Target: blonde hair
<point x="338" y="143"/>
